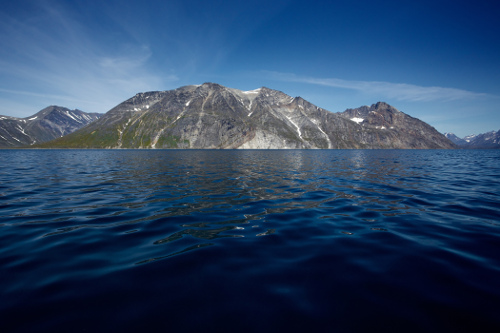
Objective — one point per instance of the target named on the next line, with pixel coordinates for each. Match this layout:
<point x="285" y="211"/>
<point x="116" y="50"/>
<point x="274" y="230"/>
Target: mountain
<point x="455" y="139"/>
<point x="213" y="116"/>
<point x="490" y="140"/>
<point x="48" y="124"/>
<point x="390" y="127"/>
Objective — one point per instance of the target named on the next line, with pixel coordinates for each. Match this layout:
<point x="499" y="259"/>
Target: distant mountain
<point x="48" y="124"/>
<point x="490" y="140"/>
<point x="455" y="139"/>
<point x="213" y="116"/>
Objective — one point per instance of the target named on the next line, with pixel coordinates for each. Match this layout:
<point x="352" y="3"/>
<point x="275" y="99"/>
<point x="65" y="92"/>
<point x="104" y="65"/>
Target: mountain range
<point x="48" y="124"/>
<point x="490" y="140"/>
<point x="214" y="116"/>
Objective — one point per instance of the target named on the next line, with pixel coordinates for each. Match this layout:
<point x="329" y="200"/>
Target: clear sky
<point x="435" y="60"/>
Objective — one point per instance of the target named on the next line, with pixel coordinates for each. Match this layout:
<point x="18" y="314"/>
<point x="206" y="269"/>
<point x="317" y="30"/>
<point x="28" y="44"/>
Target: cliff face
<point x="48" y="124"/>
<point x="213" y="116"/>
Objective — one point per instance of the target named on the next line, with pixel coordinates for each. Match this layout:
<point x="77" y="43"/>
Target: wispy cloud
<point x="34" y="94"/>
<point x="52" y="59"/>
<point x="397" y="91"/>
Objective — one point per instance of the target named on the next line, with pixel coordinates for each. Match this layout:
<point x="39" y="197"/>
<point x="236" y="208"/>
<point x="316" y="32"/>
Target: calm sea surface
<point x="250" y="241"/>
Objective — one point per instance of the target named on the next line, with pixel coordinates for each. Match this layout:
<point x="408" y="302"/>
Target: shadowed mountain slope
<point x="48" y="124"/>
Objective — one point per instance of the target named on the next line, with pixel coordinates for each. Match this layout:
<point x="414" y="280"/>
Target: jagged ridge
<point x="489" y="140"/>
<point x="213" y="116"/>
<point x="48" y="124"/>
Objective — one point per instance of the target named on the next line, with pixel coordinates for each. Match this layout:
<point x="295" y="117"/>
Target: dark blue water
<point x="249" y="241"/>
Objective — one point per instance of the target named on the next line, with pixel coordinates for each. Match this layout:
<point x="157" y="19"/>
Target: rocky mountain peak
<point x="50" y="123"/>
<point x="214" y="116"/>
<point x="455" y="139"/>
<point x="489" y="140"/>
<point x="383" y="106"/>
<point x="385" y="117"/>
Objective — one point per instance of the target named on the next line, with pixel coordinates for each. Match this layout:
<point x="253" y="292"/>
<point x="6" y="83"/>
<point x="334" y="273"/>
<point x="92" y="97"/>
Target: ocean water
<point x="249" y="241"/>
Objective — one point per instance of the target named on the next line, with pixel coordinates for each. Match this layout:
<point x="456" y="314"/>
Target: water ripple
<point x="321" y="238"/>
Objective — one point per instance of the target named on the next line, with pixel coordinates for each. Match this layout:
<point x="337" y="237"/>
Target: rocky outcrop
<point x="213" y="116"/>
<point x="48" y="124"/>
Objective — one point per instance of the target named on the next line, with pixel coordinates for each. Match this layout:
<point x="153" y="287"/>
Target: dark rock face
<point x="490" y="140"/>
<point x="48" y="124"/>
<point x="213" y="116"/>
<point x="396" y="129"/>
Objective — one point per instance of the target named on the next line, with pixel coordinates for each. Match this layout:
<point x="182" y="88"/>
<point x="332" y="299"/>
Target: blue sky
<point x="438" y="60"/>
